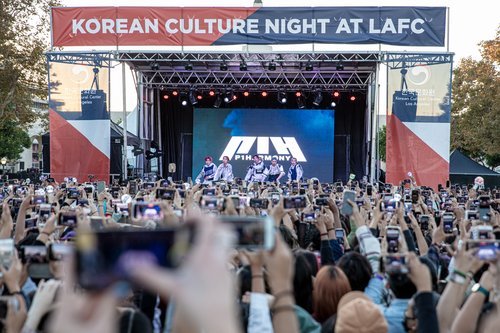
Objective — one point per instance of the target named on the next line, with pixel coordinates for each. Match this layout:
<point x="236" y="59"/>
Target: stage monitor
<point x="241" y="133"/>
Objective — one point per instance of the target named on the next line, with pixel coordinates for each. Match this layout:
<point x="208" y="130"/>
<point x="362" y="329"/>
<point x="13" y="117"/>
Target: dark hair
<point x="256" y="155"/>
<point x="357" y="269"/>
<point x="208" y="158"/>
<point x="302" y="280"/>
<point x="288" y="237"/>
<point x="133" y="320"/>
<point x="401" y="286"/>
<point x="434" y="278"/>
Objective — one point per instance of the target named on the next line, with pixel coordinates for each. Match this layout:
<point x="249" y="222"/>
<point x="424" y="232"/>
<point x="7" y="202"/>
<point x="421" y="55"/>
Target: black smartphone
<point x="38" y="199"/>
<point x="321" y="201"/>
<point x="147" y="211"/>
<point x="339" y="234"/>
<point x="209" y="191"/>
<point x="259" y="203"/>
<point x="414" y="196"/>
<point x="33" y="254"/>
<point x="67" y="219"/>
<point x="293" y="202"/>
<point x="447" y="220"/>
<point x="102" y="257"/>
<point x="369" y="189"/>
<point x="73" y="193"/>
<point x="423" y="220"/>
<point x="165" y="193"/>
<point x="392" y="236"/>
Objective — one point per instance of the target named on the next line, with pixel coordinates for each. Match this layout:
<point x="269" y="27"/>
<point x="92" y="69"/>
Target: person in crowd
<point x="256" y="171"/>
<point x="224" y="171"/>
<point x="207" y="173"/>
<point x="329" y="286"/>
<point x="295" y="172"/>
<point x="275" y="171"/>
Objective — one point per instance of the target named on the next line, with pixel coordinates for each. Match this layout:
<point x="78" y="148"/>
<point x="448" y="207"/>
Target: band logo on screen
<point x="239" y="148"/>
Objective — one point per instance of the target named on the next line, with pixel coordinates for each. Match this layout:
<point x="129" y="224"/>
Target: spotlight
<point x="223" y="66"/>
<point x="226" y="99"/>
<point x="300" y="102"/>
<point x="333" y="104"/>
<point x="318" y="98"/>
<point x="246" y="93"/>
<point x="234" y="97"/>
<point x="298" y="93"/>
<point x="155" y="66"/>
<point x="336" y="94"/>
<point x="352" y="98"/>
<point x="309" y="66"/>
<point x="199" y="97"/>
<point x="184" y="98"/>
<point x="188" y="67"/>
<point x="282" y="97"/>
<point x="192" y="98"/>
<point x="175" y="93"/>
<point x="340" y="66"/>
<point x="218" y="102"/>
<point x="272" y="66"/>
<point x="165" y="96"/>
<point x="243" y="66"/>
<point x="184" y="102"/>
<point x="211" y="93"/>
<point x="264" y="93"/>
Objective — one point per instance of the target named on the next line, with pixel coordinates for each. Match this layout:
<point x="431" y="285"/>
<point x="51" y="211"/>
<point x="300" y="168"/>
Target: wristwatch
<point x="478" y="288"/>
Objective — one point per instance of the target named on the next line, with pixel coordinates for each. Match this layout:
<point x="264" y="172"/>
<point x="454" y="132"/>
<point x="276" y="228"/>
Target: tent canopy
<point x="464" y="165"/>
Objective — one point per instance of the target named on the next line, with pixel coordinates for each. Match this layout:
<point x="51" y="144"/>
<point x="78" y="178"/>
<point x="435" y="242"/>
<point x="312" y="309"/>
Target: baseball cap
<point x="355" y="305"/>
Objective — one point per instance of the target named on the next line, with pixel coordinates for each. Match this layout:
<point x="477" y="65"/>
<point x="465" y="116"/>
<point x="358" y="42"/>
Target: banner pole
<point x="124" y="123"/>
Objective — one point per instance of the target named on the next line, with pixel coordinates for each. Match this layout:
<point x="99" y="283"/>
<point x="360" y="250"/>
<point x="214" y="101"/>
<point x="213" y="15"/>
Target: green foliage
<point x="24" y="37"/>
<point x="475" y="123"/>
<point x="381" y="143"/>
<point x="13" y="138"/>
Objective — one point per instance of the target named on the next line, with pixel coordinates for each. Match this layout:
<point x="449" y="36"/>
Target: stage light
<point x="243" y="66"/>
<point x="318" y="98"/>
<point x="165" y="96"/>
<point x="246" y="93"/>
<point x="155" y="66"/>
<point x="336" y="94"/>
<point x="272" y="66"/>
<point x="264" y="93"/>
<point x="309" y="66"/>
<point x="333" y="104"/>
<point x="298" y="93"/>
<point x="192" y="98"/>
<point x="175" y="93"/>
<point x="223" y="66"/>
<point x="199" y="97"/>
<point x="234" y="97"/>
<point x="184" y="102"/>
<point x="184" y="98"/>
<point x="352" y="98"/>
<point x="211" y="93"/>
<point x="226" y="99"/>
<point x="218" y="102"/>
<point x="282" y="97"/>
<point x="188" y="67"/>
<point x="300" y="102"/>
<point x="340" y="66"/>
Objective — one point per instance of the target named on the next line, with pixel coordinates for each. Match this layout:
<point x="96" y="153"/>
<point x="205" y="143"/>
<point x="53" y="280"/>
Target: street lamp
<point x="3" y="161"/>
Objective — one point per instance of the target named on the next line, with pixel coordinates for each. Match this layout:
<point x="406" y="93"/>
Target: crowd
<point x="165" y="256"/>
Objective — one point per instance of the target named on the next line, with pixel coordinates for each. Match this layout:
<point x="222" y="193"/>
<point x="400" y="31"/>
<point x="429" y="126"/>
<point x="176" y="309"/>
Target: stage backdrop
<point x="241" y="133"/>
<point x="418" y="123"/>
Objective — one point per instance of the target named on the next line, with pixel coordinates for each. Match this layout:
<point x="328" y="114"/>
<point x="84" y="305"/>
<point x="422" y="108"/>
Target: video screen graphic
<point x="241" y="133"/>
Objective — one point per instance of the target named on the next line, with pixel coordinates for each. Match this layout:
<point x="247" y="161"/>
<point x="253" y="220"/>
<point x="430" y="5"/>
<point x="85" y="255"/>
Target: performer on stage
<point x="256" y="171"/>
<point x="207" y="173"/>
<point x="275" y="171"/>
<point x="295" y="172"/>
<point x="224" y="171"/>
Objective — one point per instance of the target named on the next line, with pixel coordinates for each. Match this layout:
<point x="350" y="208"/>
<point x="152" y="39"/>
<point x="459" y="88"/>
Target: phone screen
<point x="251" y="232"/>
<point x="346" y="207"/>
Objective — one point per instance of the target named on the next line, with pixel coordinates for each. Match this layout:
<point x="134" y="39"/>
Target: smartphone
<point x="321" y="201"/>
<point x="275" y="197"/>
<point x="6" y="253"/>
<point x="484" y="208"/>
<point x="67" y="219"/>
<point x="38" y="199"/>
<point x="308" y="217"/>
<point x="423" y="220"/>
<point x="73" y="193"/>
<point x="122" y="208"/>
<point x="346" y="208"/>
<point x="486" y="250"/>
<point x="101" y="186"/>
<point x="4" y="305"/>
<point x="447" y="220"/>
<point x="369" y="189"/>
<point x="115" y="192"/>
<point x="392" y="237"/>
<point x="60" y="251"/>
<point x="415" y="196"/>
<point x="97" y="267"/>
<point x="471" y="215"/>
<point x="339" y="234"/>
<point x="33" y="254"/>
<point x="209" y="191"/>
<point x="132" y="188"/>
<point x="293" y="202"/>
<point x="395" y="264"/>
<point x="165" y="193"/>
<point x="147" y="211"/>
<point x="259" y="203"/>
<point x="252" y="232"/>
<point x="97" y="223"/>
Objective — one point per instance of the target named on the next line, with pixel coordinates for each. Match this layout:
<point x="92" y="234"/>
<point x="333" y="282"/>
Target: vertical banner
<point x="418" y="123"/>
<point x="79" y="122"/>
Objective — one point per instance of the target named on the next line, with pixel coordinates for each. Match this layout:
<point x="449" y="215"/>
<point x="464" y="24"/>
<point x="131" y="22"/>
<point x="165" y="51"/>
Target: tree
<point x="13" y="138"/>
<point x="475" y="123"/>
<point x="24" y="37"/>
<point x="381" y="143"/>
